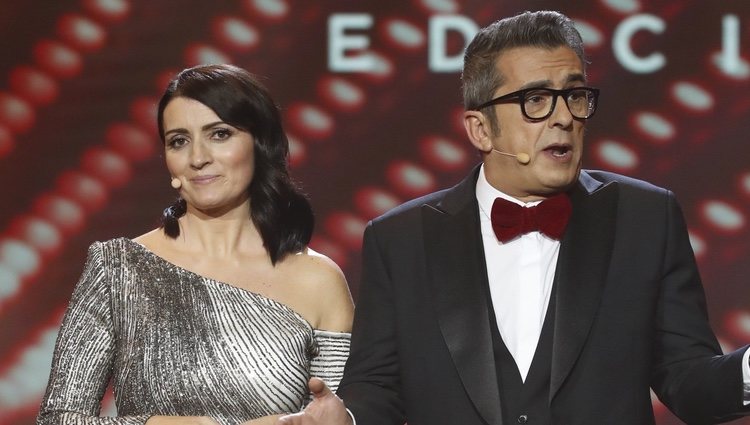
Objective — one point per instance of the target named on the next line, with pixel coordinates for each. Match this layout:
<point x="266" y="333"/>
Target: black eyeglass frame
<point x="520" y="95"/>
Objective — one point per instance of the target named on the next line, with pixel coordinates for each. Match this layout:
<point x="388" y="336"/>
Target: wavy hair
<point x="279" y="210"/>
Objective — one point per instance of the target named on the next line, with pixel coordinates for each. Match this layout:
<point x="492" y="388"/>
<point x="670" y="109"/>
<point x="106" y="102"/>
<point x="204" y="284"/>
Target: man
<point x="461" y="320"/>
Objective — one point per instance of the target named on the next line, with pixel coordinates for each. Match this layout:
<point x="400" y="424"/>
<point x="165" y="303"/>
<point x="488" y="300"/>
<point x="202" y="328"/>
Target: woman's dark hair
<point x="279" y="210"/>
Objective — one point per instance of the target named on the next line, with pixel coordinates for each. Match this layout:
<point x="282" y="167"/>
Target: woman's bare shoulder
<point x="151" y="238"/>
<point x="322" y="287"/>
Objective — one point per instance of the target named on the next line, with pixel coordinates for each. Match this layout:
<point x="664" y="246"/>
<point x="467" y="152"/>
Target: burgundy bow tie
<point x="510" y="220"/>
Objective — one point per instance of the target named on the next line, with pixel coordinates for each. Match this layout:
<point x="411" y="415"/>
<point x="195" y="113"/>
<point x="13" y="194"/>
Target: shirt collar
<point x="486" y="194"/>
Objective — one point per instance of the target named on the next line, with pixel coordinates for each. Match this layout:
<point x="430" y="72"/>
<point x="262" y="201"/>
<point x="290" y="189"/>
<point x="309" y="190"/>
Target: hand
<point x="325" y="409"/>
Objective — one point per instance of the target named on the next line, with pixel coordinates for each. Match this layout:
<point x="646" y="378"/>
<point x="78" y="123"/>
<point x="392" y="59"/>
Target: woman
<point x="221" y="315"/>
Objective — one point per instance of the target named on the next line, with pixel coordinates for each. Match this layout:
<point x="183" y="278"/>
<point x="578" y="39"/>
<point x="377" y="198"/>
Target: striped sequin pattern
<point x="176" y="343"/>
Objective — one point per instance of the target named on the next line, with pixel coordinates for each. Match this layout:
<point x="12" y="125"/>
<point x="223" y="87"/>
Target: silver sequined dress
<point x="176" y="343"/>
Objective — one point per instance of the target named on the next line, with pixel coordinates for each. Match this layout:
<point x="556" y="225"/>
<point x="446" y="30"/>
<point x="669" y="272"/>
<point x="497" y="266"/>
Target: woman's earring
<point x="176" y="183"/>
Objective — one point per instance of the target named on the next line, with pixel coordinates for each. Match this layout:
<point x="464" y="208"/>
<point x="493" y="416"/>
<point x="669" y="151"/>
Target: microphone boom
<point x="522" y="157"/>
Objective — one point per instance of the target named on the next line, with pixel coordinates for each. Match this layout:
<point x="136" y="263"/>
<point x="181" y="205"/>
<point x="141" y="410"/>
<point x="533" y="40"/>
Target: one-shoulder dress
<point x="173" y="342"/>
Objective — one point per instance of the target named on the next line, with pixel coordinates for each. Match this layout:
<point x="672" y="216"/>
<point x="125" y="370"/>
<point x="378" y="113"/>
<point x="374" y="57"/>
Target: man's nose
<point x="561" y="114"/>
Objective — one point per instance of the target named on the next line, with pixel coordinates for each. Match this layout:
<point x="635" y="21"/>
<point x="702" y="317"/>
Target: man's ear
<point x="478" y="130"/>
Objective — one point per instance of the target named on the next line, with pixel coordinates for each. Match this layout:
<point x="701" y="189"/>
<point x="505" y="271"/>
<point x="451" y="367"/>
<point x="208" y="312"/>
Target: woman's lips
<point x="203" y="179"/>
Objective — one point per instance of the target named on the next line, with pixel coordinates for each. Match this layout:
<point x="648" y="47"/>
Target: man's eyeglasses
<point x="538" y="103"/>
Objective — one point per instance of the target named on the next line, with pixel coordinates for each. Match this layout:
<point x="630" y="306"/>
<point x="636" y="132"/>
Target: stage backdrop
<point x="371" y="100"/>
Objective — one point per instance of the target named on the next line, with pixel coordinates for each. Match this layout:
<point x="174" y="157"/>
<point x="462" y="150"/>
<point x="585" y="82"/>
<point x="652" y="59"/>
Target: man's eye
<point x="535" y="98"/>
<point x="577" y="95"/>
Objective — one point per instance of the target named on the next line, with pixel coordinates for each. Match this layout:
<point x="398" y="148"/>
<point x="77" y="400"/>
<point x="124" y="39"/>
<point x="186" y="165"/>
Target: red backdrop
<point x="373" y="122"/>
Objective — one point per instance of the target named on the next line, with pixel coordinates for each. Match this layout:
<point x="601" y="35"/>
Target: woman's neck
<point x="220" y="234"/>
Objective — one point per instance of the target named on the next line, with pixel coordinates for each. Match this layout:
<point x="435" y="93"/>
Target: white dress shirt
<point x="520" y="274"/>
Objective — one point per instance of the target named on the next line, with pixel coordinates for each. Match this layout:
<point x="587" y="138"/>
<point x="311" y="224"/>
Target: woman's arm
<point x="331" y="311"/>
<point x="266" y="420"/>
<point x="84" y="352"/>
<point x="181" y="420"/>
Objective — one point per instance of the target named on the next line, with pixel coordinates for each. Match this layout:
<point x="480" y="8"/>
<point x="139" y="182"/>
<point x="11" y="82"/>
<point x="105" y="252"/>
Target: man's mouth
<point x="559" y="151"/>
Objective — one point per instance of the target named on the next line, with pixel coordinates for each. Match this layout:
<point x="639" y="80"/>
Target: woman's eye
<point x="177" y="142"/>
<point x="222" y="134"/>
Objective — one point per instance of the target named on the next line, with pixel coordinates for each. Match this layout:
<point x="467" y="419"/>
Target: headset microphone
<point x="522" y="158"/>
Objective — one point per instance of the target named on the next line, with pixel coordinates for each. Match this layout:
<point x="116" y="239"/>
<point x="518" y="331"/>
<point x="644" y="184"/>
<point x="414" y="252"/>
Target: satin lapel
<point x="458" y="276"/>
<point x="581" y="272"/>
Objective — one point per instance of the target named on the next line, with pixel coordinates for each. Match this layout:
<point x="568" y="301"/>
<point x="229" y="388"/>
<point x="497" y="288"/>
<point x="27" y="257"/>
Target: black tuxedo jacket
<point x="630" y="314"/>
